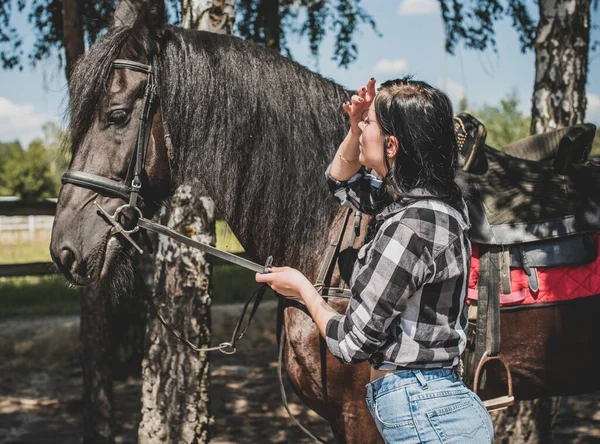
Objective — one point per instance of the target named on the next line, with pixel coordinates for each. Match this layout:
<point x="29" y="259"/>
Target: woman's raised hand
<point x="359" y="104"/>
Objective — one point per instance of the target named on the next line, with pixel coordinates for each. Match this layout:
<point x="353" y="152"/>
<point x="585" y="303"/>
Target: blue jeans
<point x="428" y="406"/>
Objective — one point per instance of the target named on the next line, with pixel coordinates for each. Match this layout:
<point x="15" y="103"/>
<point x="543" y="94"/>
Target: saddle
<point x="535" y="203"/>
<point x="542" y="207"/>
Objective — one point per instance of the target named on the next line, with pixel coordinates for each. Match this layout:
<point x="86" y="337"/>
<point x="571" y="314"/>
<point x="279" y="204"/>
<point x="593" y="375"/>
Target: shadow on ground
<point x="40" y="389"/>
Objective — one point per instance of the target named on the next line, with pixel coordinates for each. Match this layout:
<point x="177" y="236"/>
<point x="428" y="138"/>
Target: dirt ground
<point x="40" y="389"/>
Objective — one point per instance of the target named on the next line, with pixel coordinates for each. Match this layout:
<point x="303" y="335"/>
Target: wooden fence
<point x="20" y="208"/>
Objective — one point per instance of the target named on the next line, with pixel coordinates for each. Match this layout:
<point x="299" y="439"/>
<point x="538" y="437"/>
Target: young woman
<point x="407" y="314"/>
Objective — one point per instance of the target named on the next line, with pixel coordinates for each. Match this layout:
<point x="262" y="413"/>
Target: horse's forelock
<point x="88" y="81"/>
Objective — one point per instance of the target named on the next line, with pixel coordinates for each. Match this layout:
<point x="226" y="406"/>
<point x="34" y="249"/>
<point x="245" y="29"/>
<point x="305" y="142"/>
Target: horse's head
<point x="114" y="149"/>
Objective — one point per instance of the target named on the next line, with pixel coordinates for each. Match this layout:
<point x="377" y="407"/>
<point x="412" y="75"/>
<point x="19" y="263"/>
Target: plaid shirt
<point x="409" y="283"/>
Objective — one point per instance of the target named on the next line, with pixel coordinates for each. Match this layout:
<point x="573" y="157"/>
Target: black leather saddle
<point x="537" y="198"/>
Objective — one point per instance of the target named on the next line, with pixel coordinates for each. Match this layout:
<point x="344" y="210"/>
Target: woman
<point x="407" y="314"/>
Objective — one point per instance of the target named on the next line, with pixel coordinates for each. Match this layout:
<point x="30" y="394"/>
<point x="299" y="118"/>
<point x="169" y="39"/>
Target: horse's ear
<point x="156" y="17"/>
<point x="127" y="12"/>
<point x="131" y="12"/>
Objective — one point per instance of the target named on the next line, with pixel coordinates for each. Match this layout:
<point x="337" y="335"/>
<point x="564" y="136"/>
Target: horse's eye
<point x="117" y="117"/>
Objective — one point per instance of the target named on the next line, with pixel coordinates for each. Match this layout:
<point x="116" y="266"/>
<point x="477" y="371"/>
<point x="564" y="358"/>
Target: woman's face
<point x="371" y="142"/>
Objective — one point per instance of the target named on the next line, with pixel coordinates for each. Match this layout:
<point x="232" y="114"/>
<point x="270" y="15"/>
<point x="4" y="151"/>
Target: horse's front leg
<point x="334" y="390"/>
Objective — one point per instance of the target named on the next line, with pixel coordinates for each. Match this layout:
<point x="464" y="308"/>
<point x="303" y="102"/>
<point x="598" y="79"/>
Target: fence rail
<point x="31" y="269"/>
<point x="21" y="208"/>
<point x="29" y="209"/>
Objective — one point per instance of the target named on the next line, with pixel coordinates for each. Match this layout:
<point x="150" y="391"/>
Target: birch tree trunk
<point x="561" y="63"/>
<point x="72" y="34"/>
<point x="175" y="405"/>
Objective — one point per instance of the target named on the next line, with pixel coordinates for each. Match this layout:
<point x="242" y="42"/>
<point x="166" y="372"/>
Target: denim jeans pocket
<point x="392" y="409"/>
<point x="462" y="420"/>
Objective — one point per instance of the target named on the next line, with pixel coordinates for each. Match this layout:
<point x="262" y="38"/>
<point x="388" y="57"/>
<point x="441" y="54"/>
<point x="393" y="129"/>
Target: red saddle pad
<point x="557" y="284"/>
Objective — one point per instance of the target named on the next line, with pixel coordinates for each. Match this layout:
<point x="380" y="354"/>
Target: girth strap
<point x="329" y="261"/>
<point x="488" y="302"/>
<point x="487" y="334"/>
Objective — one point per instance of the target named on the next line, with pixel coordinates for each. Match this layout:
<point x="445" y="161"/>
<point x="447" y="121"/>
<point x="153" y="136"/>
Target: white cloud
<point x="20" y="122"/>
<point x="386" y="66"/>
<point x="592" y="112"/>
<point x="455" y="91"/>
<point x="418" y="7"/>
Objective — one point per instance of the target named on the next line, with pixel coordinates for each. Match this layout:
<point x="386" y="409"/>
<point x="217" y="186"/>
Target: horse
<point x="258" y="140"/>
<point x="256" y="130"/>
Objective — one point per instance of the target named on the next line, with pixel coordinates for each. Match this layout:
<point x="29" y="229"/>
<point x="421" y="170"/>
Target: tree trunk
<point x="98" y="416"/>
<point x="561" y="51"/>
<point x="269" y="20"/>
<point x="175" y="407"/>
<point x="561" y="63"/>
<point x="175" y="379"/>
<point x="209" y="15"/>
<point x="72" y="34"/>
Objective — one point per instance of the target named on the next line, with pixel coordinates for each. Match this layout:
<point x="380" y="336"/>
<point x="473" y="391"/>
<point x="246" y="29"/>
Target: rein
<point x="130" y="191"/>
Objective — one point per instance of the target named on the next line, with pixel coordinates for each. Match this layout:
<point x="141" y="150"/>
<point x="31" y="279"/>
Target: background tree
<point x="561" y="40"/>
<point x="26" y="173"/>
<point x="504" y="122"/>
<point x="271" y="22"/>
<point x="8" y="150"/>
<point x="596" y="146"/>
<point x="63" y="28"/>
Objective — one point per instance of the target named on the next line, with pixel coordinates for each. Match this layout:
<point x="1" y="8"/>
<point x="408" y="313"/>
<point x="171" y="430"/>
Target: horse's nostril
<point x="67" y="258"/>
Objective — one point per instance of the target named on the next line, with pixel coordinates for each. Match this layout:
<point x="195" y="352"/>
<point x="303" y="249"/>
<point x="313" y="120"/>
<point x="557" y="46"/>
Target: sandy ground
<point x="40" y="389"/>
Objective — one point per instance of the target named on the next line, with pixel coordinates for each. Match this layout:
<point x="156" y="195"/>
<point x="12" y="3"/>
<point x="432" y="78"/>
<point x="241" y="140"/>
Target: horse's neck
<point x="259" y="148"/>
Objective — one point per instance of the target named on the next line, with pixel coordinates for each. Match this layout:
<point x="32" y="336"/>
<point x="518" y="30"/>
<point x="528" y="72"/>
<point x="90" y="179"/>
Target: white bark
<point x="561" y="50"/>
<point x="209" y="15"/>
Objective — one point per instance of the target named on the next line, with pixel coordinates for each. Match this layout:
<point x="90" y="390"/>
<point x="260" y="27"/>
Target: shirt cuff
<point x="334" y="331"/>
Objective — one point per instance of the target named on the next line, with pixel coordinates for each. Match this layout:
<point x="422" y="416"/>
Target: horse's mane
<point x="255" y="129"/>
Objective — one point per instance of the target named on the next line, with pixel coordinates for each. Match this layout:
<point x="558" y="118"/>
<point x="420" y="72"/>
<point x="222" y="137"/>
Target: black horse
<point x="257" y="131"/>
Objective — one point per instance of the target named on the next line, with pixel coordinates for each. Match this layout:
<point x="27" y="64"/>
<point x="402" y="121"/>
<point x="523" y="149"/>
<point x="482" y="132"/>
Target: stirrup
<point x="501" y="402"/>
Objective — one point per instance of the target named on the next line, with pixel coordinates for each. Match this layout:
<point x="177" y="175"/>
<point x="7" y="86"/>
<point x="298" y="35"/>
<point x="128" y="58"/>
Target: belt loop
<point x="420" y="378"/>
<point x="369" y="387"/>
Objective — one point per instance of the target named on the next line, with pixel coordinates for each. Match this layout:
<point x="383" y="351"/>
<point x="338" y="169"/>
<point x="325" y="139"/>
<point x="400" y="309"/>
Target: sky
<point x="411" y="41"/>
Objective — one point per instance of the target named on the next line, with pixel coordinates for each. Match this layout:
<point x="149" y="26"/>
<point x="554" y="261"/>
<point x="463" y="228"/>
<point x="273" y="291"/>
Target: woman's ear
<point x="392" y="147"/>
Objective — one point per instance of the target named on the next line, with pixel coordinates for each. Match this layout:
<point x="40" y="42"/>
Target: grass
<point x="50" y="295"/>
<point x="21" y="248"/>
<point x="37" y="295"/>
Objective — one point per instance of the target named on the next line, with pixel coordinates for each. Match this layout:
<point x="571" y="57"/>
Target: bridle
<point x="130" y="190"/>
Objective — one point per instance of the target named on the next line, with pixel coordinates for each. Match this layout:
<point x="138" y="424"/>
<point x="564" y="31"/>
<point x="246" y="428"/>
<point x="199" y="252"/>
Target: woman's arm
<point x="345" y="164"/>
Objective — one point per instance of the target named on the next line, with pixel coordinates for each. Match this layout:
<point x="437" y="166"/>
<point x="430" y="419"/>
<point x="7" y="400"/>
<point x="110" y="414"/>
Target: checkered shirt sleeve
<point x="361" y="191"/>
